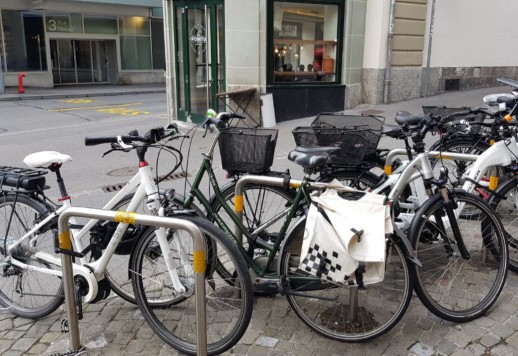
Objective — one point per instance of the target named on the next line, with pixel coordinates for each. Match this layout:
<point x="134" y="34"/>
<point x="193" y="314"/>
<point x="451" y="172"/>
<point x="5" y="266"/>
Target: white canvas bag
<point x="342" y="235"/>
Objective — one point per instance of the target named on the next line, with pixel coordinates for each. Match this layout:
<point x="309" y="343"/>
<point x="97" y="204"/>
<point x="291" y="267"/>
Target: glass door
<point x="200" y="58"/>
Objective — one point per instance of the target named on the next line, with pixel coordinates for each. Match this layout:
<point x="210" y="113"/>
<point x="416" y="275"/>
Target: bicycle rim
<point x="450" y="286"/>
<point x="229" y="304"/>
<point x="29" y="294"/>
<point x="329" y="309"/>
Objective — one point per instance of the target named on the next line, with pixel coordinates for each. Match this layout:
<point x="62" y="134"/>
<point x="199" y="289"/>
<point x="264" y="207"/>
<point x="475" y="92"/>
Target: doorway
<point x="81" y="61"/>
<point x="200" y="53"/>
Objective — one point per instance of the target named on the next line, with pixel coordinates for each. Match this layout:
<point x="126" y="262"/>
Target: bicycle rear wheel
<point x="229" y="303"/>
<point x="329" y="308"/>
<point x="28" y="293"/>
<point x="452" y="287"/>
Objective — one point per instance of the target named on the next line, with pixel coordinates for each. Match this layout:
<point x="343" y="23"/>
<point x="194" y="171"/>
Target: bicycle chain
<point x="78" y="352"/>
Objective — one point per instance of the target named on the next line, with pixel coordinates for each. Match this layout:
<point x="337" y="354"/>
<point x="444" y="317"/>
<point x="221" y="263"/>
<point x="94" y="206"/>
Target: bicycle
<point x="160" y="270"/>
<point x="408" y="216"/>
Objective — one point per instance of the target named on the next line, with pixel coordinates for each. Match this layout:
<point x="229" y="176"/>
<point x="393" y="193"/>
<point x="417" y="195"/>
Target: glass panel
<point x="100" y="24"/>
<point x="197" y="60"/>
<point x="100" y="61"/>
<point x="180" y="43"/>
<point x="135" y="52"/>
<point x="221" y="52"/>
<point x="158" y="45"/>
<point x="84" y="61"/>
<point x="24" y="40"/>
<point x="134" y="25"/>
<point x="63" y="61"/>
<point x="305" y="41"/>
<point x="55" y="22"/>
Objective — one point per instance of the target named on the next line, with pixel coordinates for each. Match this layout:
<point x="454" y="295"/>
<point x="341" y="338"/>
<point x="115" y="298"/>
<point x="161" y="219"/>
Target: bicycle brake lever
<point x="108" y="152"/>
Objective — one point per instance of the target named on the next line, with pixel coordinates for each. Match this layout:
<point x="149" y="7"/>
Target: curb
<point x="19" y="97"/>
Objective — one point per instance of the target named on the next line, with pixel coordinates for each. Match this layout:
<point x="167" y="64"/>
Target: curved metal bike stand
<point x="64" y="244"/>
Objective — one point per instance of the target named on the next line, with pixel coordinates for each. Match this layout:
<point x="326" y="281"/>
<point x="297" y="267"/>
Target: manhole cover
<point x="123" y="172"/>
<point x="371" y="112"/>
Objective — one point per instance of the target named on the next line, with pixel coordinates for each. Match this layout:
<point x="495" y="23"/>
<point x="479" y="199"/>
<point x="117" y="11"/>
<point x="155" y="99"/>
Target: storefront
<point x="58" y="43"/>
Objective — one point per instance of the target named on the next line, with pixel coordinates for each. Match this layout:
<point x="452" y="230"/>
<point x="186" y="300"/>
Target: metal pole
<point x="64" y="243"/>
<point x="430" y="34"/>
<point x="170" y="67"/>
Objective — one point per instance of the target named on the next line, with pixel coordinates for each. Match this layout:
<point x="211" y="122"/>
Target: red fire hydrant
<point x="21" y="89"/>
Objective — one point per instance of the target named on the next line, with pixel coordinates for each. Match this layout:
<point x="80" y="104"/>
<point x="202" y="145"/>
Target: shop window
<point x="157" y="43"/>
<point x="24" y="40"/>
<point x="305" y="42"/>
<point x="100" y="24"/>
<point x="134" y="25"/>
<point x="55" y="22"/>
<point x="135" y="52"/>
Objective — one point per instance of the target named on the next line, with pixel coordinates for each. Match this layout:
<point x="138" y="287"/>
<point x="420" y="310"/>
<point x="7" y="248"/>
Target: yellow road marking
<point x="78" y="101"/>
<point x="123" y="111"/>
<point x="94" y="107"/>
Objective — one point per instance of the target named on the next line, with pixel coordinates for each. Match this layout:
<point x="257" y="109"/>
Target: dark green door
<point x="200" y="58"/>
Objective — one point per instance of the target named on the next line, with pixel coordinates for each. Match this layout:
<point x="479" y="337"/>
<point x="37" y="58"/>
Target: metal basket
<point x="247" y="150"/>
<point x="354" y="145"/>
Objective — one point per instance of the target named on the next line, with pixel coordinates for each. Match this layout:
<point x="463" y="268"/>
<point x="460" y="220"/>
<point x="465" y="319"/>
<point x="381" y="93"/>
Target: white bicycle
<point x="160" y="271"/>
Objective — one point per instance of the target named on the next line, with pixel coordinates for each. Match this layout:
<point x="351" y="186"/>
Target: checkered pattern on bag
<point x="323" y="264"/>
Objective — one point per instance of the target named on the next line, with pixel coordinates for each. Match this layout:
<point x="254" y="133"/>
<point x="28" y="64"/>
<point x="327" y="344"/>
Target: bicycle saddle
<point x="45" y="158"/>
<point x="404" y="117"/>
<point x="311" y="156"/>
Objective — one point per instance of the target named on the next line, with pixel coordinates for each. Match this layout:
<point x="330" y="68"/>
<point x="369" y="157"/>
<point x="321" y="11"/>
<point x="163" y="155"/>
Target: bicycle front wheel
<point x="455" y="287"/>
<point x="229" y="303"/>
<point x="28" y="293"/>
<point x="505" y="203"/>
<point x="344" y="312"/>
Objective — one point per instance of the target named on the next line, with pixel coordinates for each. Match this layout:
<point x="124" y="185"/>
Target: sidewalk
<point x="115" y="327"/>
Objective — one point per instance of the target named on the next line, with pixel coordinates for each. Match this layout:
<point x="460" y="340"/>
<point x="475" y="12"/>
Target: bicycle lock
<point x="63" y="245"/>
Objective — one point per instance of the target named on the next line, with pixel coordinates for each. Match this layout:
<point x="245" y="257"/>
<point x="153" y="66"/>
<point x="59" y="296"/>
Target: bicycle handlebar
<point x="150" y="137"/>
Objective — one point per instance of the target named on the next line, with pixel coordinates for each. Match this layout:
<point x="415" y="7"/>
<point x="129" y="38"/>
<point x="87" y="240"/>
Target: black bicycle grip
<point x="92" y="141"/>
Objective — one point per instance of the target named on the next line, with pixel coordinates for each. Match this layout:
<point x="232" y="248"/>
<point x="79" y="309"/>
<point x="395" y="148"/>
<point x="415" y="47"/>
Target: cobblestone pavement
<point x="115" y="327"/>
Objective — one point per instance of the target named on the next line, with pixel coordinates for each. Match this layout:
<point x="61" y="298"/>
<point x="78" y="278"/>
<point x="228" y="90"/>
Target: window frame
<point x="270" y="45"/>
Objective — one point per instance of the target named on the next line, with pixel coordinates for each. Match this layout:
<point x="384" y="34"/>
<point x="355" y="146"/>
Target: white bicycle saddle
<point x="44" y="159"/>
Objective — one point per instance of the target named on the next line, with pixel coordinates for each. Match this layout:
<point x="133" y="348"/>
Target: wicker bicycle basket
<point x="247" y="150"/>
<point x="357" y="136"/>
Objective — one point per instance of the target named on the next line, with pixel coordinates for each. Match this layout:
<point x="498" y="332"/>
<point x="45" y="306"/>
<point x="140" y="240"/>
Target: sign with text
<point x="57" y="24"/>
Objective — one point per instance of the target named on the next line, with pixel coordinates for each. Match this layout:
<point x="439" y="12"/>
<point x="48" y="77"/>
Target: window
<point x="135" y="42"/>
<point x="305" y="38"/>
<point x="157" y="43"/>
<point x="57" y="22"/>
<point x="100" y="24"/>
<point x="24" y="40"/>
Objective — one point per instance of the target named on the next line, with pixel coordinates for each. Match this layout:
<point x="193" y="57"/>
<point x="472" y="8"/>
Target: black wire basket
<point x="357" y="136"/>
<point x="247" y="150"/>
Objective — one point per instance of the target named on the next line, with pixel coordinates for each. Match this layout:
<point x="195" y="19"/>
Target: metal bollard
<point x="64" y="244"/>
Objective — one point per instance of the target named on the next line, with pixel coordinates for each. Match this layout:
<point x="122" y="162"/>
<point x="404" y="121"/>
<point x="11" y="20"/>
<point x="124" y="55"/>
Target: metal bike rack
<point x="64" y="244"/>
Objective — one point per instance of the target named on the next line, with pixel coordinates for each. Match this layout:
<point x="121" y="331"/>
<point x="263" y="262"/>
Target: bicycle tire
<point x="505" y="203"/>
<point x="28" y="294"/>
<point x="361" y="180"/>
<point x="445" y="278"/>
<point x="229" y="305"/>
<point x="260" y="203"/>
<point x="380" y="305"/>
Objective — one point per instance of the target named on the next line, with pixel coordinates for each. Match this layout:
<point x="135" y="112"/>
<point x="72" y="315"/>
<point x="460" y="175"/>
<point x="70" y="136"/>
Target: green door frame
<point x="185" y="113"/>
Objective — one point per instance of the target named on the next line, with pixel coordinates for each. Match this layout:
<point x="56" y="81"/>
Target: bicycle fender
<point x="293" y="240"/>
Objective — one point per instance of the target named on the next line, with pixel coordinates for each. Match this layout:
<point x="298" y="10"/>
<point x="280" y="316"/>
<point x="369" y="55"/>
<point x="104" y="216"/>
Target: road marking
<point x="93" y="107"/>
<point x="123" y="111"/>
<point x="78" y="101"/>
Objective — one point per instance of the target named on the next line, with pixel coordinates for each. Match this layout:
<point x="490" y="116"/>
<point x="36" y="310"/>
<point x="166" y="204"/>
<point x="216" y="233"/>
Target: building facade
<point x="311" y="56"/>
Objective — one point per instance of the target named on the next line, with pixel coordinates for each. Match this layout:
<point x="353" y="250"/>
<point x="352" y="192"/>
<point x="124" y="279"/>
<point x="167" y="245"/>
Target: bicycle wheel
<point x="505" y="203"/>
<point x="452" y="287"/>
<point x="229" y="305"/>
<point x="328" y="308"/>
<point x="260" y="204"/>
<point x="28" y="293"/>
<point x="358" y="180"/>
<point x="456" y="168"/>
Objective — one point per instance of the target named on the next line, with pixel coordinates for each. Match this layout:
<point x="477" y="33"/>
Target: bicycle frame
<point x="142" y="184"/>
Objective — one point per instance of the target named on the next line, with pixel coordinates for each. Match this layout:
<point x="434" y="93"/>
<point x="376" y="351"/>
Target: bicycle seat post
<point x="54" y="167"/>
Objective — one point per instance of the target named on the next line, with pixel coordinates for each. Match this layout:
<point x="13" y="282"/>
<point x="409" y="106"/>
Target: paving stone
<point x="512" y="340"/>
<point x="240" y="350"/>
<point x="502" y="331"/>
<point x="135" y="346"/>
<point x="503" y="350"/>
<point x="422" y="349"/>
<point x="37" y="331"/>
<point x="38" y="349"/>
<point x="459" y="338"/>
<point x="49" y="337"/>
<point x="512" y="322"/>
<point x="285" y="345"/>
<point x="265" y="341"/>
<point x="446" y="346"/>
<point x="489" y="340"/>
<point x="249" y="337"/>
<point x="24" y="344"/>
<point x="476" y="349"/>
<point x="258" y="351"/>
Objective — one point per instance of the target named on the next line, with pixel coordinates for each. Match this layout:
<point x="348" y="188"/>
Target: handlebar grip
<point x="92" y="141"/>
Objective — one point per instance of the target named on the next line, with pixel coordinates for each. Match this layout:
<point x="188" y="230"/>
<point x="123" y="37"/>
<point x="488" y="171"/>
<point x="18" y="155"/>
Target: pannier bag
<point x="344" y="240"/>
